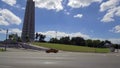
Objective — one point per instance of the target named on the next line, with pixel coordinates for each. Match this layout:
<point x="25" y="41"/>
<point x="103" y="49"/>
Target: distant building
<point x="28" y="29"/>
<point x="108" y="45"/>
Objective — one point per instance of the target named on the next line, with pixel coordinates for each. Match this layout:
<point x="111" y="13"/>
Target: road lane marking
<point x="117" y="55"/>
<point x="5" y="66"/>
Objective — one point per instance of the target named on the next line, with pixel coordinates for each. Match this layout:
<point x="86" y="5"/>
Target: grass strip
<point x="73" y="48"/>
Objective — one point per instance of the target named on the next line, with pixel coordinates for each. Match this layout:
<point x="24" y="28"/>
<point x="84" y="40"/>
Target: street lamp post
<point x="6" y="39"/>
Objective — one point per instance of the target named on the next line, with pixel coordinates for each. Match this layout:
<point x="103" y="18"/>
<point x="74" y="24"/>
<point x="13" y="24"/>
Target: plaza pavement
<point x="27" y="58"/>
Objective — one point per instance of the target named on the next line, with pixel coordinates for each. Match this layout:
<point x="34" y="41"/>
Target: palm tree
<point x="36" y="36"/>
<point x="41" y="38"/>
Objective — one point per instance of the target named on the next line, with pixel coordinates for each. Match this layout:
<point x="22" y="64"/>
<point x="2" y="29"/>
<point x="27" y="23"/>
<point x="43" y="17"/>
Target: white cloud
<point x="13" y="3"/>
<point x="3" y="22"/>
<point x="116" y="29"/>
<point x="13" y="31"/>
<point x="108" y="5"/>
<point x="19" y="6"/>
<point x="49" y="4"/>
<point x="113" y="9"/>
<point x="10" y="2"/>
<point x="117" y="11"/>
<point x="108" y="17"/>
<point x="115" y="41"/>
<point x="63" y="34"/>
<point x="81" y="3"/>
<point x="59" y="34"/>
<point x="2" y="31"/>
<point x="78" y="34"/>
<point x="23" y="8"/>
<point x="66" y="12"/>
<point x="7" y="17"/>
<point x="78" y="16"/>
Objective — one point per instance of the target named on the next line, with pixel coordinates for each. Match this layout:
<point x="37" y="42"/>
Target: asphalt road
<point x="39" y="59"/>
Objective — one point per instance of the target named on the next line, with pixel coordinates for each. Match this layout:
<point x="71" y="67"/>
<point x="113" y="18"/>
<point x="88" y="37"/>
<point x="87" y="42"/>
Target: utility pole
<point x="56" y="35"/>
<point x="6" y="38"/>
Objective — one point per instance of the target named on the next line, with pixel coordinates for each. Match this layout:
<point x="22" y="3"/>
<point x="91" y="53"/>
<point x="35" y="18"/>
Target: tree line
<point x="77" y="41"/>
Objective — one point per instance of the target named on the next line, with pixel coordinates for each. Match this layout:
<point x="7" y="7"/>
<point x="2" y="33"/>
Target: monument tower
<point x="28" y="29"/>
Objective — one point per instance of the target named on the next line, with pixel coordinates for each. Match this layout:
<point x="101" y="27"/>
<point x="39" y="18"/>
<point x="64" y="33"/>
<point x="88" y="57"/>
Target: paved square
<point x="20" y="58"/>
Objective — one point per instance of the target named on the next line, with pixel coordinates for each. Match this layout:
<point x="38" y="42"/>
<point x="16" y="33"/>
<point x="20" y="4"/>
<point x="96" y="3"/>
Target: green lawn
<point x="72" y="48"/>
<point x="1" y="50"/>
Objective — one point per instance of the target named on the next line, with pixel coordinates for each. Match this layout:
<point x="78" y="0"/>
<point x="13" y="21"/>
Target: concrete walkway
<point x="39" y="59"/>
<point x="20" y="50"/>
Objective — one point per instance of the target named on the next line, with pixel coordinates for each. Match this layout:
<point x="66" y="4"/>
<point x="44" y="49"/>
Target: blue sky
<point x="91" y="19"/>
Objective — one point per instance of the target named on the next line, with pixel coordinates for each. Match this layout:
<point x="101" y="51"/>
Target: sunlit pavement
<point x="21" y="58"/>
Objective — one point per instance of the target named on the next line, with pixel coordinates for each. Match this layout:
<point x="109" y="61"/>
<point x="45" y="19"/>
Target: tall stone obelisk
<point x="28" y="29"/>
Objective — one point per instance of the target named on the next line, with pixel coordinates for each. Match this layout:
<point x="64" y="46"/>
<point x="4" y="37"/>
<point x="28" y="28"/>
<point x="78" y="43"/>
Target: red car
<point x="51" y="50"/>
